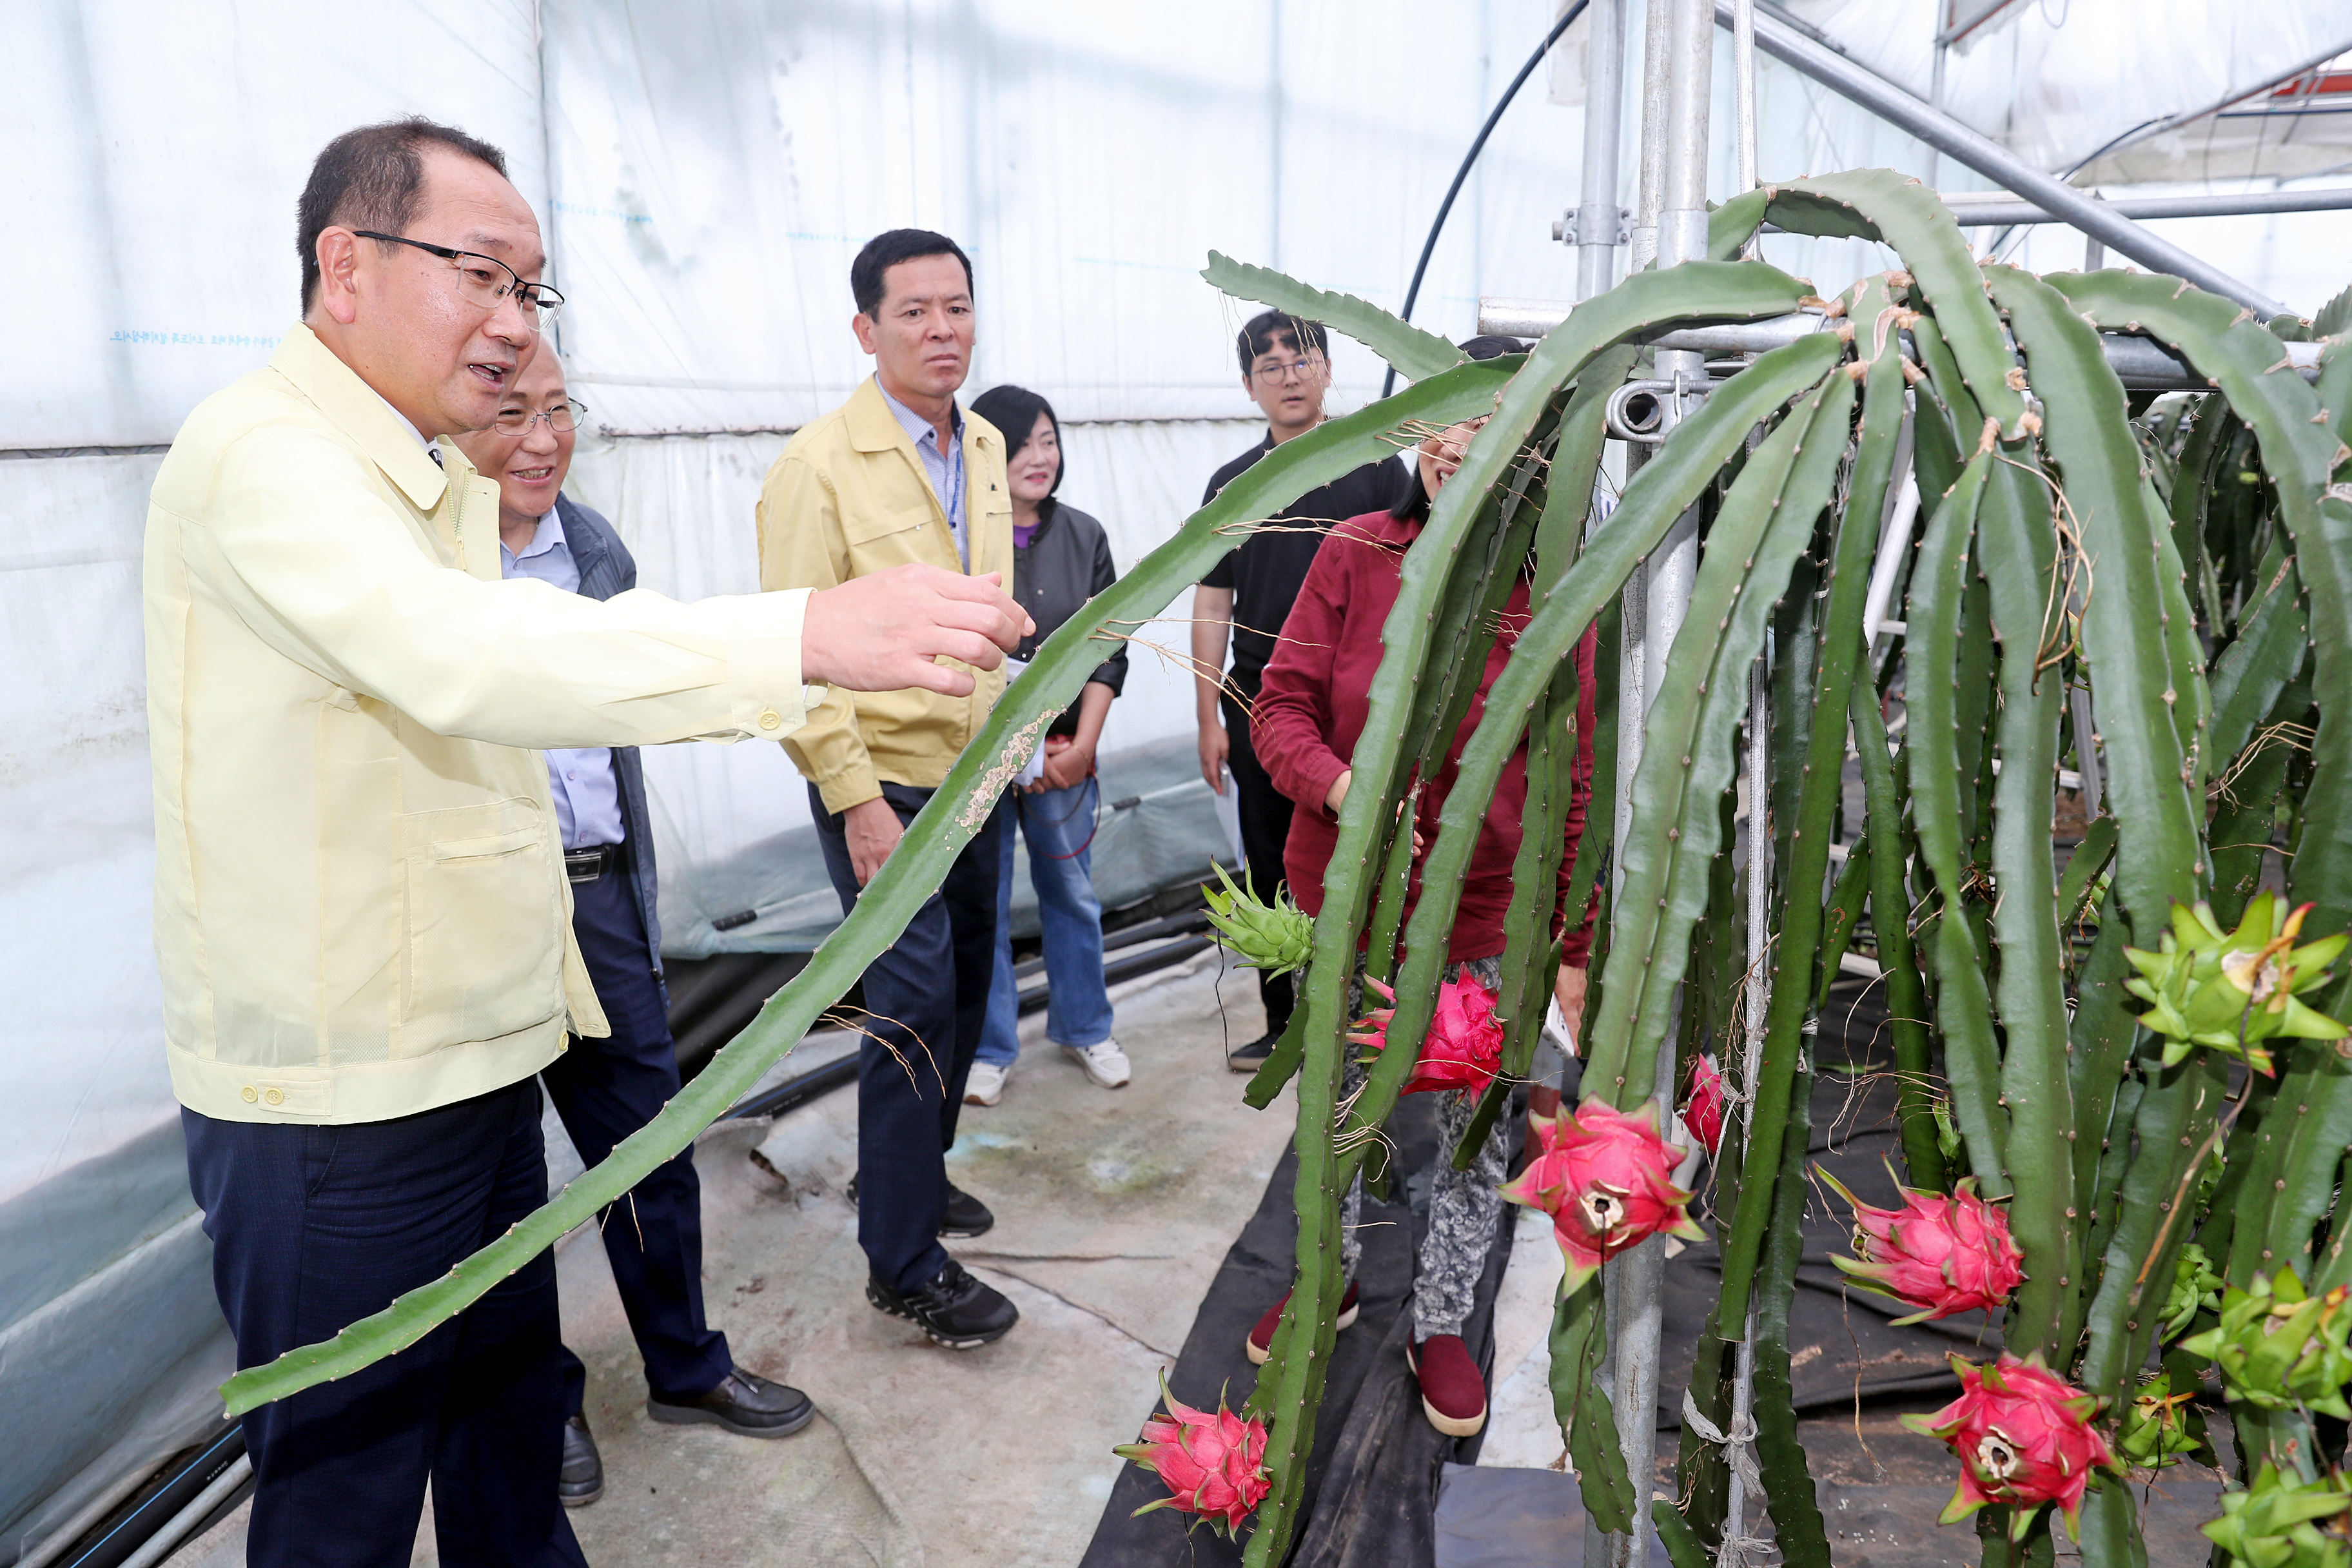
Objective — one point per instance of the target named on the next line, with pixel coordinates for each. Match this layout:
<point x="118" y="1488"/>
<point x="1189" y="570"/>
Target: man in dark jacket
<point x="1286" y="369"/>
<point x="606" y="1089"/>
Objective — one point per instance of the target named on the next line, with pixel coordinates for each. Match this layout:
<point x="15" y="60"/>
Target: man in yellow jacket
<point x="362" y="915"/>
<point x="899" y="475"/>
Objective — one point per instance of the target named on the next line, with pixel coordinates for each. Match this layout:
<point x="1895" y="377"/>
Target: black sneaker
<point x="965" y="1217"/>
<point x="744" y="1403"/>
<point x="951" y="1307"/>
<point x="581" y="1481"/>
<point x="1252" y="1057"/>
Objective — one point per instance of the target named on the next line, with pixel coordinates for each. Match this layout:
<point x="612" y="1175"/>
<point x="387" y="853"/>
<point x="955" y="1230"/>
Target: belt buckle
<point x="585" y="865"/>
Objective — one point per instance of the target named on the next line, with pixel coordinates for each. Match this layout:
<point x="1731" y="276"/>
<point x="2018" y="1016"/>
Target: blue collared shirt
<point x="945" y="470"/>
<point x="587" y="791"/>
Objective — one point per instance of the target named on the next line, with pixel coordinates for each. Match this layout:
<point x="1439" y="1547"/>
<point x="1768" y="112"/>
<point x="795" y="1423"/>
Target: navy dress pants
<point x="1265" y="813"/>
<point x="314" y="1228"/>
<point x="927" y="1005"/>
<point x="604" y="1091"/>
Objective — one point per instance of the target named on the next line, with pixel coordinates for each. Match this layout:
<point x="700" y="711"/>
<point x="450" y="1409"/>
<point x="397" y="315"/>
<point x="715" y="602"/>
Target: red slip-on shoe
<point x="1452" y="1394"/>
<point x="1261" y="1340"/>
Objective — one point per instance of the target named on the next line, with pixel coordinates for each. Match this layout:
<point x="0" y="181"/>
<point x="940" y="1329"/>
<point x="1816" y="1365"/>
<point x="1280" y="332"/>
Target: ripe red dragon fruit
<point x="1464" y="1048"/>
<point x="1942" y="1255"/>
<point x="2024" y="1438"/>
<point x="1212" y="1464"/>
<point x="1604" y="1176"/>
<point x="1703" y="1110"/>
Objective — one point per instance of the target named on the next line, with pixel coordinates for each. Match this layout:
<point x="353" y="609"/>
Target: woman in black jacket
<point x="1060" y="560"/>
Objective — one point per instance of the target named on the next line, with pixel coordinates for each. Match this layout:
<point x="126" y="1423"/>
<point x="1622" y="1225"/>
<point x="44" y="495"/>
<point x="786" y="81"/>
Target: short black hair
<point x="1413" y="506"/>
<point x="371" y="178"/>
<point x="1014" y="410"/>
<point x="1270" y="327"/>
<point x="885" y="251"/>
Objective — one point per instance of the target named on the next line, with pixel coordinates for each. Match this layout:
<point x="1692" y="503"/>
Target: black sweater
<point x="1066" y="562"/>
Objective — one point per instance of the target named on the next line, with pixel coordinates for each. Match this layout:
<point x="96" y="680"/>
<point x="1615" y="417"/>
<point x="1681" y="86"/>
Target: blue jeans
<point x="1059" y="824"/>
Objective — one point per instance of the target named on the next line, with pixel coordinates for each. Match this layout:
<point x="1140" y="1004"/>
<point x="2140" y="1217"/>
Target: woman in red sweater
<point x="1310" y="711"/>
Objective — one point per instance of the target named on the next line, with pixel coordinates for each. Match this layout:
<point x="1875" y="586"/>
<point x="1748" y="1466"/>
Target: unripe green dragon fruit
<point x="2284" y="1522"/>
<point x="2231" y="990"/>
<point x="1277" y="937"/>
<point x="2161" y="1428"/>
<point x="2279" y="1347"/>
<point x="2196" y="1287"/>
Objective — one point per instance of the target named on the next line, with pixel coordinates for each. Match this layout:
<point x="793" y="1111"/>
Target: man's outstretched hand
<point x="882" y="632"/>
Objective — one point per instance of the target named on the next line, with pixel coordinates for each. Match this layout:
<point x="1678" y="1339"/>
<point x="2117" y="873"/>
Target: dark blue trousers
<point x="604" y="1091"/>
<point x="314" y="1228"/>
<point x="928" y="1001"/>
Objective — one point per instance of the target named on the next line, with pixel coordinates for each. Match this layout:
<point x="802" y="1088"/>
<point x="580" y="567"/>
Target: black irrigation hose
<point x="1454" y="190"/>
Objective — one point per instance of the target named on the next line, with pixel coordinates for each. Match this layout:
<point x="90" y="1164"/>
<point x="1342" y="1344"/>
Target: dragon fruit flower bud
<point x="1605" y="1178"/>
<point x="1942" y="1254"/>
<point x="2023" y="1438"/>
<point x="1212" y="1464"/>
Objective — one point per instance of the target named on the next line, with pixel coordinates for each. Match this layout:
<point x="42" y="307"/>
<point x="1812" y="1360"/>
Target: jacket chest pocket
<point x="890" y="536"/>
<point x="482" y="918"/>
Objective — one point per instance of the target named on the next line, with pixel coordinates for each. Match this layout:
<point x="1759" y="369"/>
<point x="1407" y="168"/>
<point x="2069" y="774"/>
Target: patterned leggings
<point x="1463" y="1205"/>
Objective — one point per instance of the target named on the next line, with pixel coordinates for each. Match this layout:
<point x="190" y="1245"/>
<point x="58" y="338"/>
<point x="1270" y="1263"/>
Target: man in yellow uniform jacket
<point x="896" y="475"/>
<point x="362" y="915"/>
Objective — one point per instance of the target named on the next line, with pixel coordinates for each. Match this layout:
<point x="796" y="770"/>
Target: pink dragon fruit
<point x="1212" y="1464"/>
<point x="1703" y="1111"/>
<point x="1464" y="1048"/>
<point x="1942" y="1255"/>
<point x="2024" y="1438"/>
<point x="1604" y="1176"/>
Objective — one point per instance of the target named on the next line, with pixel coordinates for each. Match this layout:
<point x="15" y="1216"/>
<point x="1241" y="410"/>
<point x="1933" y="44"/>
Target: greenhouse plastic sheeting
<point x="704" y="174"/>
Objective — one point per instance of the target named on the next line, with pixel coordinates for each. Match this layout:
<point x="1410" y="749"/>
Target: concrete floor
<point x="1114" y="1211"/>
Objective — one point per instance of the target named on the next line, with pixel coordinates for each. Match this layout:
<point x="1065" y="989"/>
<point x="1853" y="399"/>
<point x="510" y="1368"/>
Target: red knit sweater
<point x="1312" y="707"/>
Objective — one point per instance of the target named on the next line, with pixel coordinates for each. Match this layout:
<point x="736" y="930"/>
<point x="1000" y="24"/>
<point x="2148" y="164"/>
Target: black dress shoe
<point x="744" y="1403"/>
<point x="966" y="1216"/>
<point x="581" y="1481"/>
<point x="954" y="1309"/>
<point x="1251" y="1056"/>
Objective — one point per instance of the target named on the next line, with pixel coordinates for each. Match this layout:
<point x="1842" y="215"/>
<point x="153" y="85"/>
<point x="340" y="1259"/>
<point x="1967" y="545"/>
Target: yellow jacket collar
<point x="360" y="413"/>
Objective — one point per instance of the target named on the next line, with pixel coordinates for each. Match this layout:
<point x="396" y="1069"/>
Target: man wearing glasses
<point x="606" y="1089"/>
<point x="361" y="910"/>
<point x="1285" y="370"/>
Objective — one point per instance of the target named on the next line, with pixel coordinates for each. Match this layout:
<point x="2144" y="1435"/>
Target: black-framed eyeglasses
<point x="563" y="418"/>
<point x="1277" y="372"/>
<point x="484" y="281"/>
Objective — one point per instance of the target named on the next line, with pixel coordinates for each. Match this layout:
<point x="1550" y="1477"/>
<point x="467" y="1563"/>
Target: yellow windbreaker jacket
<point x="848" y="497"/>
<point x="360" y="910"/>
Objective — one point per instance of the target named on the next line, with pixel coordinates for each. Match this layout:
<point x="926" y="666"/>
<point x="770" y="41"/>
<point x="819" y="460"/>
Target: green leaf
<point x="1414" y="353"/>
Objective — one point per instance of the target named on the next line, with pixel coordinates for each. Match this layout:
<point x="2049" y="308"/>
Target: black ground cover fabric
<point x="1372" y="1490"/>
<point x="1372" y="1484"/>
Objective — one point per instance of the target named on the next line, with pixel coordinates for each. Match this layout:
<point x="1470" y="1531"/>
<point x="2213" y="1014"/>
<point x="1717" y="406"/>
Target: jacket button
<point x="771" y="720"/>
<point x="250" y="1094"/>
<point x="276" y="1096"/>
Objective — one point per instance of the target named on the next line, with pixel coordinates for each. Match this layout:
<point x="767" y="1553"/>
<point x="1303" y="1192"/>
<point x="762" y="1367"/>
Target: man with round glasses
<point x="362" y="906"/>
<point x="606" y="1089"/>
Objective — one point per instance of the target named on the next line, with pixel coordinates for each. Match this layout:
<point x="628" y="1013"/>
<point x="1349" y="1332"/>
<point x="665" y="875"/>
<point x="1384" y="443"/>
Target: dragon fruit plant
<point x="1214" y="1465"/>
<point x="1274" y="937"/>
<point x="2229" y="991"/>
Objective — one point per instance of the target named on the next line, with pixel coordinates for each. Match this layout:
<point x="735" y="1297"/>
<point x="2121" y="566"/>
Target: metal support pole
<point x="1600" y="222"/>
<point x="1743" y="87"/>
<point x="1677" y="87"/>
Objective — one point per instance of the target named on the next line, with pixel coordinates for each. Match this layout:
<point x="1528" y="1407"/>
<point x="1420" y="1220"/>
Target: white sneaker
<point x="1105" y="1063"/>
<point x="985" y="1084"/>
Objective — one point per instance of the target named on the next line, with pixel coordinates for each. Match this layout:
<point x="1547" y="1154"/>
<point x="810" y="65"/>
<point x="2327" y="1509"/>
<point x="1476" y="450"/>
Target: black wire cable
<point x="1478" y="147"/>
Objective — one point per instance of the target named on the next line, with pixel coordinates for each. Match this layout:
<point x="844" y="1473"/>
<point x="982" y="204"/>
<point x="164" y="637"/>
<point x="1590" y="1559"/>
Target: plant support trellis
<point x="2097" y="583"/>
